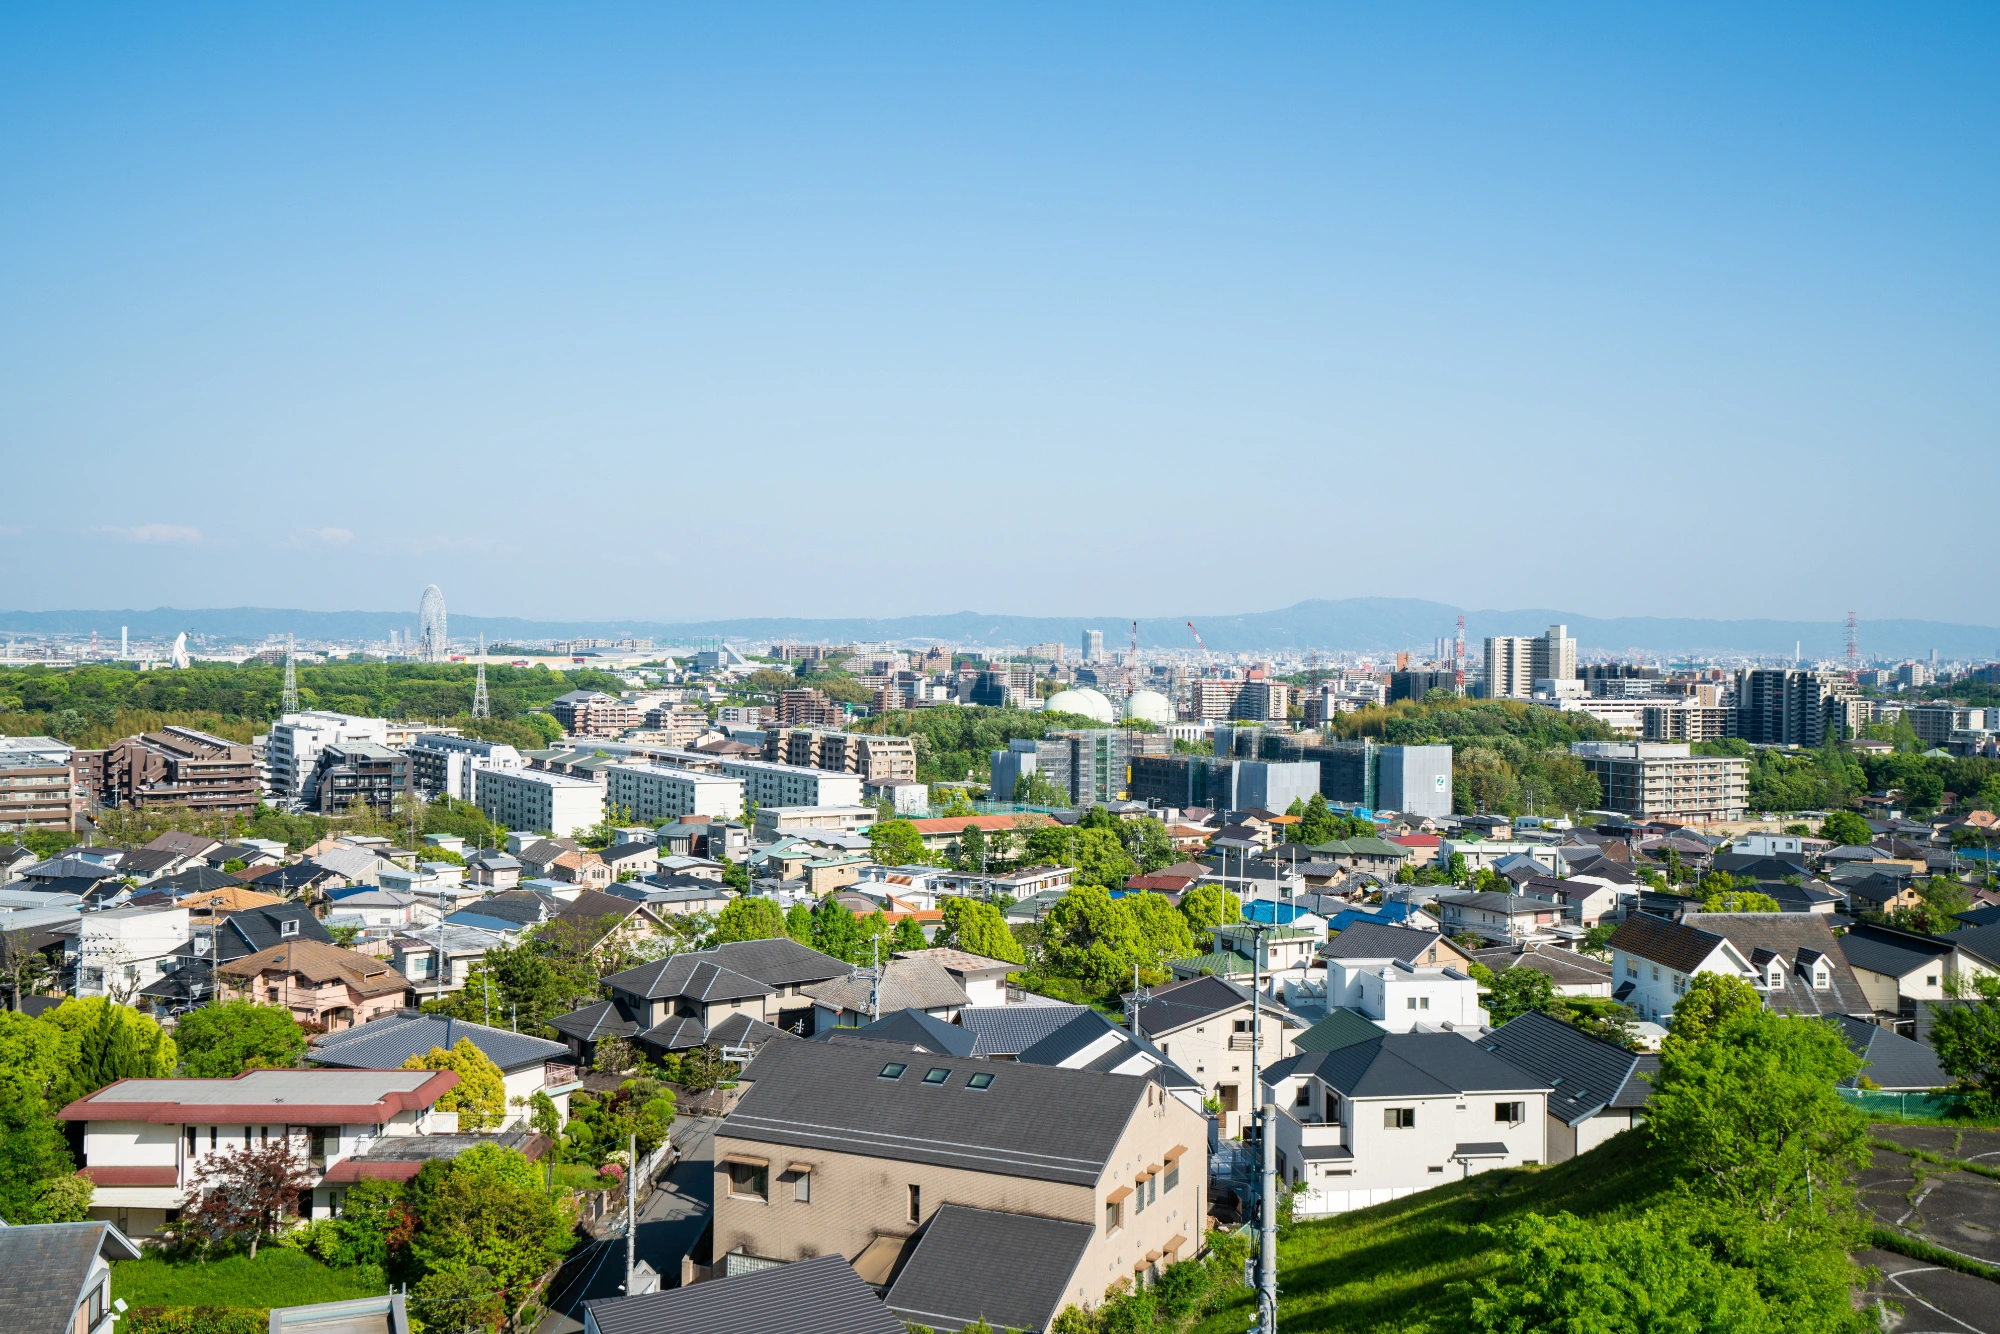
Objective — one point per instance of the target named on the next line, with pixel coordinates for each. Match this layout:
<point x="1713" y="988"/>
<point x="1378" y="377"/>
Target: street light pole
<point x="1267" y="1213"/>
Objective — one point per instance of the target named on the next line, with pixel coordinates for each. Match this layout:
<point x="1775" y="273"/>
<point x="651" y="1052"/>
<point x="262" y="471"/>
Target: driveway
<point x="670" y="1222"/>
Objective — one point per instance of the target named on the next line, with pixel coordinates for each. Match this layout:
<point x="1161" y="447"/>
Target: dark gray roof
<point x="196" y="880"/>
<point x="1408" y="1065"/>
<point x="1565" y="968"/>
<point x="1009" y="1030"/>
<point x="819" y="1296"/>
<point x="1679" y="946"/>
<point x="738" y="1030"/>
<point x="1489" y="900"/>
<point x="1799" y="938"/>
<point x="254" y="930"/>
<point x="1893" y="1061"/>
<point x="774" y="963"/>
<point x="1076" y="1036"/>
<point x="1982" y="942"/>
<point x="920" y="1030"/>
<point x="1380" y="940"/>
<point x="1885" y="950"/>
<point x="592" y="1022"/>
<point x="1480" y="1149"/>
<point x="1184" y="1003"/>
<point x="385" y="1043"/>
<point x="1584" y="1073"/>
<point x="43" y="1268"/>
<point x="1342" y="1027"/>
<point x="1012" y="1270"/>
<point x="1032" y="1121"/>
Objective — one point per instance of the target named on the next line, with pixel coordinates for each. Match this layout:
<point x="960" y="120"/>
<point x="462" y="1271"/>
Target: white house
<point x="1203" y="1026"/>
<point x="120" y="951"/>
<point x="1378" y="1120"/>
<point x="1792" y="958"/>
<point x="1400" y="997"/>
<point x="143" y="1139"/>
<point x="984" y="979"/>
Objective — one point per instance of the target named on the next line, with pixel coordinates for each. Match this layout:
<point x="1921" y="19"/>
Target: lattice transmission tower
<point x="1853" y="642"/>
<point x="291" y="700"/>
<point x="480" y="707"/>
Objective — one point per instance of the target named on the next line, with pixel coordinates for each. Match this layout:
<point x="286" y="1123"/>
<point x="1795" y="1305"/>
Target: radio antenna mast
<point x="291" y="701"/>
<point x="481" y="708"/>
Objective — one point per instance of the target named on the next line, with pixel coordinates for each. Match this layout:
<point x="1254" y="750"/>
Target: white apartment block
<point x="1663" y="781"/>
<point x="1514" y="662"/>
<point x="293" y="747"/>
<point x="545" y="802"/>
<point x="443" y="765"/>
<point x="657" y="793"/>
<point x="770" y="784"/>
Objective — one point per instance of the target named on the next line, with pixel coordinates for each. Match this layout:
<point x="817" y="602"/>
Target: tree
<point x="978" y="927"/>
<point x="1597" y="940"/>
<point x="971" y="849"/>
<point x="113" y="1042"/>
<point x="1749" y="1112"/>
<point x="1096" y="941"/>
<point x="1210" y="905"/>
<point x="614" y="1055"/>
<point x="1966" y="1035"/>
<point x="1711" y="1001"/>
<point x="24" y="969"/>
<point x="33" y="1154"/>
<point x="753" y="917"/>
<point x="485" y="1225"/>
<point x="799" y="923"/>
<point x="480" y="1096"/>
<point x="1315" y="822"/>
<point x="1036" y="789"/>
<point x="1519" y="990"/>
<point x="218" y="1041"/>
<point x="897" y="843"/>
<point x="1846" y="829"/>
<point x="244" y="1194"/>
<point x="1146" y="842"/>
<point x="1739" y="900"/>
<point x="837" y="932"/>
<point x="909" y="936"/>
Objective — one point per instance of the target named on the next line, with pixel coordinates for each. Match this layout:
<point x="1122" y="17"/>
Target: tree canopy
<point x="480" y="1096"/>
<point x="218" y="1041"/>
<point x="978" y="927"/>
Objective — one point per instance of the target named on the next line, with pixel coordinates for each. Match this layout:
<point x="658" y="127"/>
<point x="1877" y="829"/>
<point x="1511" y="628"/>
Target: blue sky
<point x="1134" y="310"/>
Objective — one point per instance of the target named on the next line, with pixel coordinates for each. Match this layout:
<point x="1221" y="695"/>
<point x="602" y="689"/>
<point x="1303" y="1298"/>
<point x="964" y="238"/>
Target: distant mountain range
<point x="1371" y="625"/>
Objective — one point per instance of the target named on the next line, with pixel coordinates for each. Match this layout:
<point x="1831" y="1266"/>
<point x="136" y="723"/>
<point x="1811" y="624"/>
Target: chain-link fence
<point x="1880" y="1102"/>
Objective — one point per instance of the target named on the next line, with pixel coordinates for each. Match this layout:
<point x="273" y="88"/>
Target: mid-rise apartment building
<point x="38" y="784"/>
<point x="809" y="708"/>
<point x="1663" y="781"/>
<point x="445" y="765"/>
<point x="1934" y="723"/>
<point x="175" y="766"/>
<point x="1213" y="699"/>
<point x="1263" y="701"/>
<point x="878" y="759"/>
<point x="1686" y="722"/>
<point x="292" y="749"/>
<point x="358" y="771"/>
<point x="655" y="793"/>
<point x="594" y="713"/>
<point x="532" y="799"/>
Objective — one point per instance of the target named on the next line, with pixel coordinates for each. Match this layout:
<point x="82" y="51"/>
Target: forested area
<point x="1833" y="777"/>
<point x="95" y="705"/>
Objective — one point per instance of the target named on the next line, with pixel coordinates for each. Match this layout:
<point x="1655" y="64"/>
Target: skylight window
<point x="980" y="1081"/>
<point x="937" y="1074"/>
<point x="894" y="1070"/>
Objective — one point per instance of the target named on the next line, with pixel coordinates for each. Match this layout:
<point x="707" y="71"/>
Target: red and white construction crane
<point x="1207" y="658"/>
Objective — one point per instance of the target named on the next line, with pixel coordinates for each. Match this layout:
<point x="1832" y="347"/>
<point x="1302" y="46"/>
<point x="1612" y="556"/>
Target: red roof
<point x="1415" y="840"/>
<point x="168" y="1110"/>
<point x="349" y="1170"/>
<point x="988" y="824"/>
<point x="134" y="1176"/>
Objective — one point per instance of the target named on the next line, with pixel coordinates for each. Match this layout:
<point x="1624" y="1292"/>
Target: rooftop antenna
<point x="480" y="707"/>
<point x="290" y="703"/>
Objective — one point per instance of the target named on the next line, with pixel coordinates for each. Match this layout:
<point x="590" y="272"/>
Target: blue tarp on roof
<point x="1389" y="913"/>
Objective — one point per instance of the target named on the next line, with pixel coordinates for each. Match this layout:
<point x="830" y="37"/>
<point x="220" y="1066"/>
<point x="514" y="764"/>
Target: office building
<point x="1026" y="758"/>
<point x="594" y="713"/>
<point x="1086" y="767"/>
<point x="1786" y="706"/>
<point x="657" y="793"/>
<point x="1411" y="780"/>
<point x="1417" y="684"/>
<point x="292" y="749"/>
<point x="1514" y="663"/>
<point x="1662" y="781"/>
<point x="445" y="765"/>
<point x="1093" y="646"/>
<point x="544" y="802"/>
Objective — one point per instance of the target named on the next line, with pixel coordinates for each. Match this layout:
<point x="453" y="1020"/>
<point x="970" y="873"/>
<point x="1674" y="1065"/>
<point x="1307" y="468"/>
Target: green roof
<point x="1341" y="1028"/>
<point x="1223" y="963"/>
<point x="1362" y="847"/>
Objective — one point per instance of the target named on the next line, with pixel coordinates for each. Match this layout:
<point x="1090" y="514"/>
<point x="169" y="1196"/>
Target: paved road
<point x="670" y="1223"/>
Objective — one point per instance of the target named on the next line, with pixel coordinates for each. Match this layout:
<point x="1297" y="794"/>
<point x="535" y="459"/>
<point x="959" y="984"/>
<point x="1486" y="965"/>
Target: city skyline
<point x="299" y="316"/>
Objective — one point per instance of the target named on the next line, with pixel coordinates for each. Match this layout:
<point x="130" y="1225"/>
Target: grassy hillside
<point x="1405" y="1266"/>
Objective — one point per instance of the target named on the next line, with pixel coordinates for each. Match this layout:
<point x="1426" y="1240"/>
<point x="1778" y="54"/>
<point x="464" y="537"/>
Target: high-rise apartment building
<point x="1788" y="706"/>
<point x="1213" y="699"/>
<point x="1093" y="645"/>
<point x="1514" y="663"/>
<point x="1934" y="723"/>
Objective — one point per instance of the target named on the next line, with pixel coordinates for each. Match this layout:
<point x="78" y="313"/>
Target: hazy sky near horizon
<point x="681" y="312"/>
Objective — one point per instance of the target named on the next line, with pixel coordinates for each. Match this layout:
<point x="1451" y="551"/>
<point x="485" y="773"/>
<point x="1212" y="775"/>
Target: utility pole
<point x="631" y="1209"/>
<point x="1267" y="1146"/>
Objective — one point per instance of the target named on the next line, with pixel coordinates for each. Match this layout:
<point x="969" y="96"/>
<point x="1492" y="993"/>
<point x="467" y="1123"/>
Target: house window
<point x="1819" y="979"/>
<point x="1173" y="1174"/>
<point x="1112" y="1215"/>
<point x="97" y="1303"/>
<point x="1139" y="1197"/>
<point x="749" y="1181"/>
<point x="1931" y="980"/>
<point x="1399" y="1118"/>
<point x="802" y="1187"/>
<point x="190" y="1140"/>
<point x="916" y="1203"/>
<point x="1512" y="1113"/>
<point x="1304" y="1096"/>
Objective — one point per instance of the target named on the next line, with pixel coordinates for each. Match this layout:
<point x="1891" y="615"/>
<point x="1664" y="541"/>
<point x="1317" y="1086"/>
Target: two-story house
<point x="1500" y="918"/>
<point x="319" y="983"/>
<point x="908" y="1163"/>
<point x="907" y="982"/>
<point x="58" y="1276"/>
<point x="1203" y="1025"/>
<point x="144" y="1138"/>
<point x="1287" y="951"/>
<point x="1793" y="959"/>
<point x="1898" y="969"/>
<point x="1374" y="1121"/>
<point x="678" y="1002"/>
<point x="528" y="1064"/>
<point x="1596" y="1088"/>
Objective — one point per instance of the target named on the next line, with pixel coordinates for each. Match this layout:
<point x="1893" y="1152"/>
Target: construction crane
<point x="1207" y="658"/>
<point x="1135" y="646"/>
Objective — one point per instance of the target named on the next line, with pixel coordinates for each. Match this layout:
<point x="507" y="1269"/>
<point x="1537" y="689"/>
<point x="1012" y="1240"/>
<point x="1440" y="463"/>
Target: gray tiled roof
<point x="385" y="1043"/>
<point x="917" y="1029"/>
<point x="1409" y="1065"/>
<point x="1123" y="1056"/>
<point x="1793" y="936"/>
<point x="1380" y="940"/>
<point x="1675" y="944"/>
<point x="257" y="929"/>
<point x="1585" y="1074"/>
<point x="1888" y="951"/>
<point x="1893" y="1061"/>
<point x="1033" y="1121"/>
<point x="1183" y="1003"/>
<point x="819" y="1296"/>
<point x="1012" y="1270"/>
<point x="1009" y="1030"/>
<point x="774" y="963"/>
<point x="592" y="1022"/>
<point x="906" y="984"/>
<point x="42" y="1270"/>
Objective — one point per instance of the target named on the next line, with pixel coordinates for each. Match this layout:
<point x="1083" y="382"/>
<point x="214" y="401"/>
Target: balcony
<point x="1245" y="1042"/>
<point x="555" y="1074"/>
